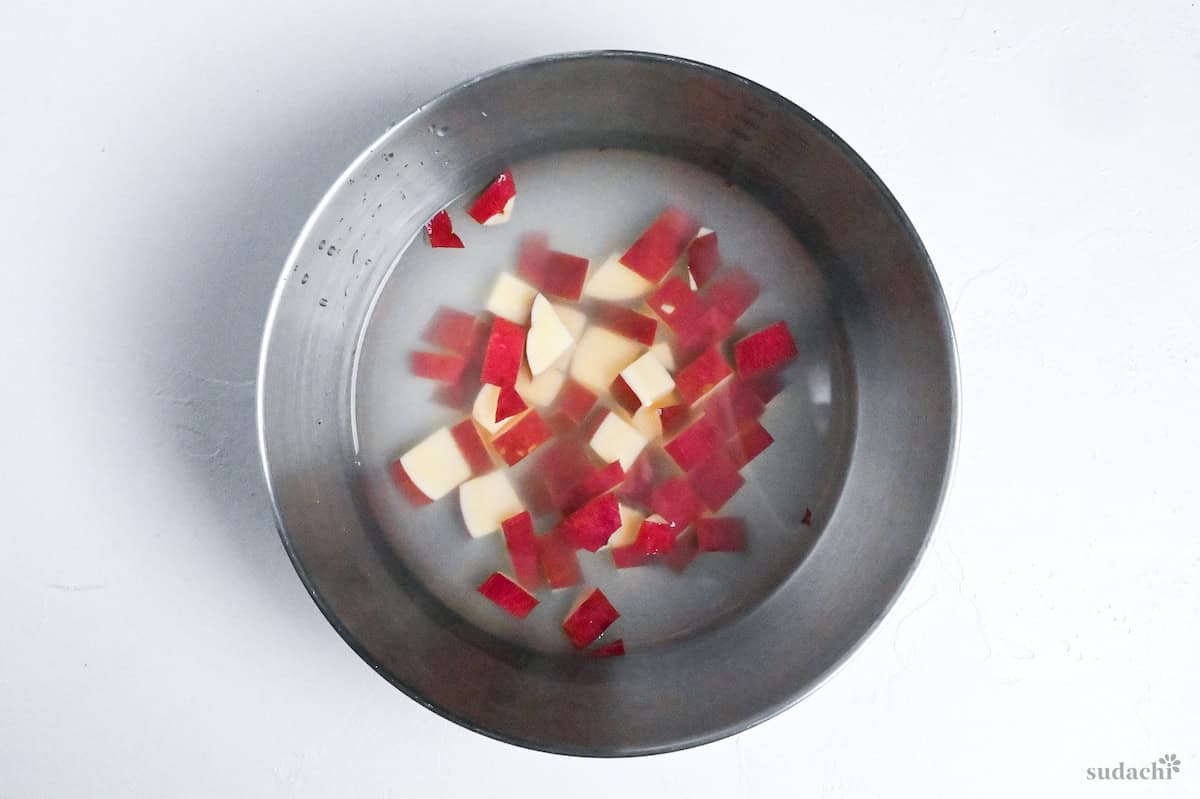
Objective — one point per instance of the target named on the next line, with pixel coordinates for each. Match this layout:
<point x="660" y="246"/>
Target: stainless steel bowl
<point x="898" y="354"/>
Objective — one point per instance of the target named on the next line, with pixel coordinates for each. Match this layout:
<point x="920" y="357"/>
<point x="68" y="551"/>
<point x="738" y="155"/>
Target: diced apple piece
<point x="656" y="536"/>
<point x="766" y="386"/>
<point x="574" y="319"/>
<point x="511" y="299"/>
<point x="703" y="257"/>
<point x="440" y="231"/>
<point x="466" y="435"/>
<point x="749" y="443"/>
<point x="629" y="556"/>
<point x="732" y="406"/>
<point x="600" y="356"/>
<point x="657" y="249"/>
<point x="590" y="619"/>
<point x="592" y="525"/>
<point x="640" y="482"/>
<point x="502" y="359"/>
<point x="522" y="549"/>
<point x="673" y="418"/>
<point x="716" y="480"/>
<point x="768" y="348"/>
<point x="628" y="323"/>
<point x="617" y="440"/>
<point x="484" y="410"/>
<point x="541" y="390"/>
<point x="623" y="395"/>
<point x="732" y="293"/>
<point x="662" y="351"/>
<point x="548" y="337"/>
<point x="487" y="501"/>
<point x="615" y="282"/>
<point x="443" y="367"/>
<point x="720" y="535"/>
<point x="557" y="557"/>
<point x="436" y="465"/>
<point x="561" y="465"/>
<point x="558" y="274"/>
<point x="504" y="215"/>
<point x="407" y="487"/>
<point x="507" y="594"/>
<point x="631" y="522"/>
<point x="575" y="401"/>
<point x="605" y="478"/>
<point x="684" y="551"/>
<point x="676" y="502"/>
<point x="677" y="305"/>
<point x="695" y="444"/>
<point x="648" y="379"/>
<point x="702" y="375"/>
<point x="451" y="330"/>
<point x="493" y="201"/>
<point x="508" y="404"/>
<point x="529" y="432"/>
<point x="646" y="420"/>
<point x="612" y="649"/>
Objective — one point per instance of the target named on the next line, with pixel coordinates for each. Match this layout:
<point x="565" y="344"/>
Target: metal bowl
<point x="900" y="399"/>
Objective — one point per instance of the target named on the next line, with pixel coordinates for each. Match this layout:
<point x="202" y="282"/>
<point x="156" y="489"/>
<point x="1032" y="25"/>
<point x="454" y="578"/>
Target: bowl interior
<point x="867" y="437"/>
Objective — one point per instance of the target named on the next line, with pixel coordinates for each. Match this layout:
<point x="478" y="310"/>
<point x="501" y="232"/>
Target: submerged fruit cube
<point x="703" y="257"/>
<point x="605" y="478"/>
<point x="590" y="619"/>
<point x="494" y="203"/>
<point x="628" y="323"/>
<point x="444" y="367"/>
<point x="406" y="486"/>
<point x="767" y="349"/>
<point x="559" y="564"/>
<point x="486" y="502"/>
<point x="466" y="435"/>
<point x="436" y="465"/>
<point x="720" y="535"/>
<point x="591" y="526"/>
<point x="502" y="358"/>
<point x="451" y="330"/>
<point x="522" y="548"/>
<point x="695" y="444"/>
<point x="507" y="594"/>
<point x="676" y="502"/>
<point x="529" y="432"/>
<point x="716" y="480"/>
<point x="657" y="249"/>
<point x="702" y="375"/>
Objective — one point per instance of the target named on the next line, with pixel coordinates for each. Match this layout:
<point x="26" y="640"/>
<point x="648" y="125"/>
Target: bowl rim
<point x="953" y="406"/>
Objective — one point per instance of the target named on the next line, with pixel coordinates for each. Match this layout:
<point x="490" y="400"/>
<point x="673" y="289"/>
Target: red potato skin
<point x="764" y="350"/>
<point x="657" y="249"/>
<point x="522" y="547"/>
<point x="554" y="273"/>
<point x="624" y="396"/>
<point x="557" y="557"/>
<point x="406" y="486"/>
<point x="451" y="330"/>
<point x="677" y="502"/>
<point x="438" y="366"/>
<point x="440" y="232"/>
<point x="701" y="375"/>
<point x="628" y="323"/>
<point x="606" y="478"/>
<point x="589" y="621"/>
<point x="720" y="535"/>
<point x="502" y="358"/>
<point x="612" y="649"/>
<point x="509" y="404"/>
<point x="491" y="200"/>
<point x="716" y="481"/>
<point x="515" y="443"/>
<point x="695" y="444"/>
<point x="575" y="401"/>
<point x="466" y="435"/>
<point x="703" y="258"/>
<point x="750" y="442"/>
<point x="591" y="526"/>
<point x="508" y="595"/>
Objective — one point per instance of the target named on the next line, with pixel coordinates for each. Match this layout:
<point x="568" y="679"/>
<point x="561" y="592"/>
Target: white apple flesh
<point x="548" y="338"/>
<point x="503" y="216"/>
<point x="511" y="298"/>
<point x="436" y="465"/>
<point x="600" y="356"/>
<point x="631" y="522"/>
<point x="614" y="281"/>
<point x="617" y="440"/>
<point x="484" y="410"/>
<point x="648" y="379"/>
<point x="486" y="502"/>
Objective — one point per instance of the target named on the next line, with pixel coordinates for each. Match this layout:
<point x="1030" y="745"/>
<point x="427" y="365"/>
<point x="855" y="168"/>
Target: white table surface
<point x="158" y="158"/>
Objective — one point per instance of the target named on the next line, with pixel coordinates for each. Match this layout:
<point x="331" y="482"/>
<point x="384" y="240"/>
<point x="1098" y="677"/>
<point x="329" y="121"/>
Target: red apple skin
<point x="749" y="443"/>
<point x="695" y="444"/>
<point x="703" y="258"/>
<point x="677" y="305"/>
<point x="522" y="547"/>
<point x="716" y="480"/>
<point x="561" y="465"/>
<point x="554" y="273"/>
<point x="698" y="377"/>
<point x="509" y="404"/>
<point x="508" y="595"/>
<point x="708" y="329"/>
<point x="732" y="406"/>
<point x="466" y="435"/>
<point x="461" y="394"/>
<point x="684" y="551"/>
<point x="451" y="330"/>
<point x="575" y="401"/>
<point x="624" y="396"/>
<point x="657" y="249"/>
<point x="606" y="478"/>
<point x="732" y="294"/>
<point x="407" y="487"/>
<point x="655" y="538"/>
<point x="515" y="443"/>
<point x="767" y="349"/>
<point x="640" y="481"/>
<point x="557" y="557"/>
<point x="440" y="231"/>
<point x="628" y="323"/>
<point x="591" y="526"/>
<point x="612" y="649"/>
<point x="491" y="200"/>
<point x="720" y="535"/>
<point x="452" y="395"/>
<point x="502" y="358"/>
<point x="438" y="366"/>
<point x="674" y="418"/>
<point x="589" y="621"/>
<point x="676" y="501"/>
<point x="630" y="556"/>
<point x="766" y="386"/>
